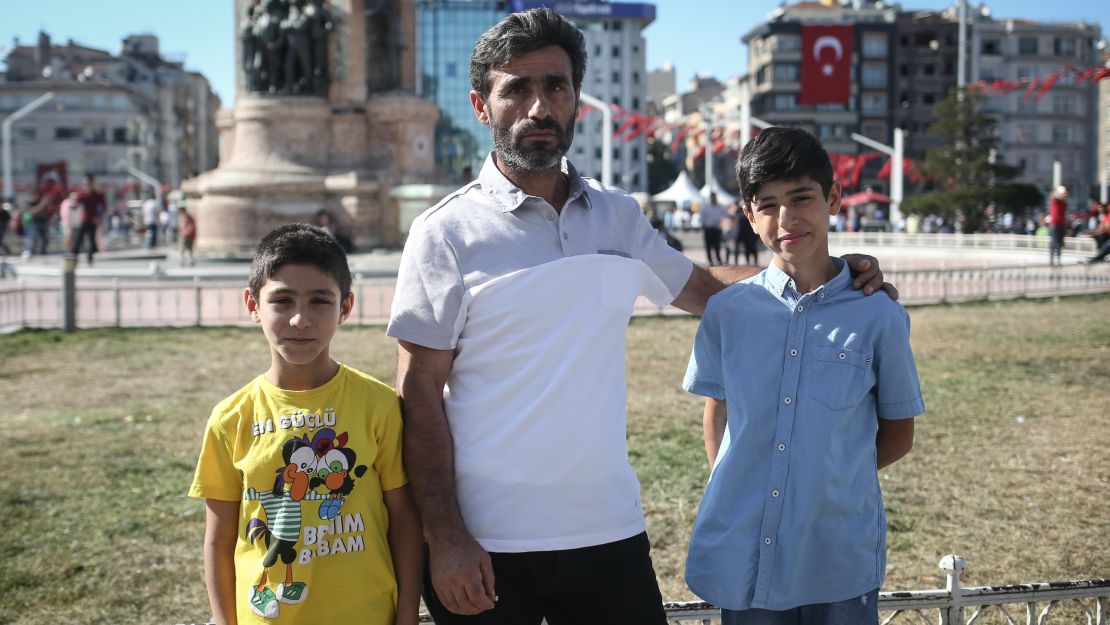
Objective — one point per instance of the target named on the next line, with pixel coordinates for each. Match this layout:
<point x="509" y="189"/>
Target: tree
<point x="967" y="182"/>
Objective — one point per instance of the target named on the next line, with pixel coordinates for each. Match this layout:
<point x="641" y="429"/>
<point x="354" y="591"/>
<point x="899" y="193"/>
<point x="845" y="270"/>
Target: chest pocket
<point x="841" y="377"/>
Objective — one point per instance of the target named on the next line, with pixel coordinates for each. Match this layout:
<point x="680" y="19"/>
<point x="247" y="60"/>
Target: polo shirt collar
<point x="509" y="197"/>
<point x="783" y="287"/>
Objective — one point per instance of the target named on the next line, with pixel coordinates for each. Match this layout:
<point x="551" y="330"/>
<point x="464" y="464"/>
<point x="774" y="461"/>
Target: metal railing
<point x="136" y="303"/>
<point x="1031" y="604"/>
<point x="1028" y="604"/>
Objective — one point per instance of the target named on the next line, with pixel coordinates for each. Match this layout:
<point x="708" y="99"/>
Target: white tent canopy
<point x="682" y="192"/>
<point x="724" y="198"/>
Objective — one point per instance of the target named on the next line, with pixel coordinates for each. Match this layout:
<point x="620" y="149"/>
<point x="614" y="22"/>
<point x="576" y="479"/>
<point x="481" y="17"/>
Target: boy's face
<point x="792" y="219"/>
<point x="299" y="308"/>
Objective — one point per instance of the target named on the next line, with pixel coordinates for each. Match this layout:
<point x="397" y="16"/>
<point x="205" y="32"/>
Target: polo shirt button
<point x="782" y="447"/>
<point x="774" y="493"/>
<point x="842" y="355"/>
<point x="822" y="296"/>
<point x="801" y="308"/>
<point x="767" y="541"/>
<point x="786" y="401"/>
<point x="551" y="216"/>
<point x="793" y="352"/>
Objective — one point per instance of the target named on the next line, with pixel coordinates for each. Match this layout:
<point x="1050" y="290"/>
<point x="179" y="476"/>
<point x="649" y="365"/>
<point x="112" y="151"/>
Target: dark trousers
<point x="1056" y="244"/>
<point x="712" y="245"/>
<point x="87" y="229"/>
<point x="40" y="237"/>
<point x="1102" y="253"/>
<point x="610" y="584"/>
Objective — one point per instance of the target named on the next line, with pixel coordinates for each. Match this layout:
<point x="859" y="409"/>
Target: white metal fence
<point x="1049" y="603"/>
<point x="216" y="303"/>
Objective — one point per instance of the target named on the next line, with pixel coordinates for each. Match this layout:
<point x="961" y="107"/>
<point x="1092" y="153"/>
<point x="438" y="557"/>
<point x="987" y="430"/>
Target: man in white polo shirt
<point x="512" y="304"/>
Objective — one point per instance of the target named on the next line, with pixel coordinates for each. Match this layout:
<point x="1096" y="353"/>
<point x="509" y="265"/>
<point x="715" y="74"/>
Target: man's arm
<point x="704" y="283"/>
<point x="461" y="571"/>
<point x="713" y="422"/>
<point x="406" y="548"/>
<point x="894" y="440"/>
<point x="221" y="530"/>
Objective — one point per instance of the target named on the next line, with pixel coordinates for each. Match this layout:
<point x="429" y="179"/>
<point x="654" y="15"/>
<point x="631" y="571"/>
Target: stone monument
<point x="325" y="119"/>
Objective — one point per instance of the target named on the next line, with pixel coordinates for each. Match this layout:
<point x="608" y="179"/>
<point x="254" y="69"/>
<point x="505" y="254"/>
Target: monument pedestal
<point x="286" y="157"/>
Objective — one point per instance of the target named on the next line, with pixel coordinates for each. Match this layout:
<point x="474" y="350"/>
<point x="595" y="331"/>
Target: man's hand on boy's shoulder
<point x="866" y="275"/>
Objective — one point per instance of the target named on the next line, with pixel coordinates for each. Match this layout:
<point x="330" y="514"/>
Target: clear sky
<point x="697" y="36"/>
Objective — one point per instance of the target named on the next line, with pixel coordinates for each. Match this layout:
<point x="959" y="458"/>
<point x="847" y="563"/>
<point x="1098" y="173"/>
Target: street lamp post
<point x="6" y="132"/>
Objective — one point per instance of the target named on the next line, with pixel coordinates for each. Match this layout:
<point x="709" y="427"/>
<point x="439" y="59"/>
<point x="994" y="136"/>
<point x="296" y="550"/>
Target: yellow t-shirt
<point x="309" y="469"/>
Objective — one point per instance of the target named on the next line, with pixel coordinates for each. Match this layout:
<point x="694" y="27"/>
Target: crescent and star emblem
<point x="827" y="42"/>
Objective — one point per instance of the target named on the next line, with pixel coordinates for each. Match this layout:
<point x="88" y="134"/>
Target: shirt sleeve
<point x="703" y="374"/>
<point x="429" y="295"/>
<point x="216" y="475"/>
<point x="899" y="389"/>
<point x="670" y="267"/>
<point x="388" y="463"/>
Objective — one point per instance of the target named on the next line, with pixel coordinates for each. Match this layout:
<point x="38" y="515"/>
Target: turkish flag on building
<point x="826" y="64"/>
<point x="51" y="177"/>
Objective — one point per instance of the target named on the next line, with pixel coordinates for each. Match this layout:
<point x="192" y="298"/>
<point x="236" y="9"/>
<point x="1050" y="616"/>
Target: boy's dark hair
<point x="299" y="244"/>
<point x="780" y="153"/>
<point x="521" y="33"/>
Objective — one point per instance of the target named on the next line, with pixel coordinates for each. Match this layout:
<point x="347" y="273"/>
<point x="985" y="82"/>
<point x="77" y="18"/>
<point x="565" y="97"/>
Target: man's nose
<point x="540" y="108"/>
<point x="299" y="319"/>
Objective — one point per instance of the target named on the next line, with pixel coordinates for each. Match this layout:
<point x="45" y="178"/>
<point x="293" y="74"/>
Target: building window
<point x="451" y="70"/>
<point x="616" y="51"/>
<point x="904" y="70"/>
<point x="1027" y="45"/>
<point x="1024" y="104"/>
<point x="617" y="25"/>
<point x="786" y="72"/>
<point x="928" y="69"/>
<point x="874" y="46"/>
<point x="928" y="99"/>
<point x="119" y="135"/>
<point x="597" y="155"/>
<point x="616" y="78"/>
<point x="1061" y="133"/>
<point x="635" y="103"/>
<point x="874" y="131"/>
<point x="1025" y="133"/>
<point x="788" y="43"/>
<point x="597" y="51"/>
<point x="1064" y="104"/>
<point x="635" y="154"/>
<point x="635" y="78"/>
<point x="616" y="154"/>
<point x="991" y="46"/>
<point x="828" y="107"/>
<point x="873" y="103"/>
<point x="786" y="102"/>
<point x="64" y="134"/>
<point x="874" y="75"/>
<point x="1064" y="47"/>
<point x="25" y="134"/>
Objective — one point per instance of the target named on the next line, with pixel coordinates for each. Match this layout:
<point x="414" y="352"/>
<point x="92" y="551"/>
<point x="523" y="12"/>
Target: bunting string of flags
<point x="1035" y="87"/>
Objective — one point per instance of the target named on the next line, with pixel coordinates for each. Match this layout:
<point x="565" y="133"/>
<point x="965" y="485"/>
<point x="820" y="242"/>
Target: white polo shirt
<point x="536" y="305"/>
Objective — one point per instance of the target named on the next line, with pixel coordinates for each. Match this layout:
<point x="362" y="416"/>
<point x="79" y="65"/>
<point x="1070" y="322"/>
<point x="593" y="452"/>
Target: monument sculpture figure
<point x="324" y="119"/>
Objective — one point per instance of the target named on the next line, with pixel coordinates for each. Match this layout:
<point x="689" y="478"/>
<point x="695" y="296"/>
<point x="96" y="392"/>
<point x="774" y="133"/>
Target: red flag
<point x="826" y="64"/>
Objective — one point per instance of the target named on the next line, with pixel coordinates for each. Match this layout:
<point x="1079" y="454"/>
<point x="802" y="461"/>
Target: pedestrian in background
<point x="188" y="235"/>
<point x="92" y="207"/>
<point x="150" y="221"/>
<point x="711" y="215"/>
<point x="1057" y="223"/>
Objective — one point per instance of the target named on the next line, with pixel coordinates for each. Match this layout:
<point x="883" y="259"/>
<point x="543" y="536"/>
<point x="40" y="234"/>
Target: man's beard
<point x="508" y="142"/>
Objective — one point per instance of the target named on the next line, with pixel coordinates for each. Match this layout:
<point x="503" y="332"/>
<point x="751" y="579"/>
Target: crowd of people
<point x="80" y="221"/>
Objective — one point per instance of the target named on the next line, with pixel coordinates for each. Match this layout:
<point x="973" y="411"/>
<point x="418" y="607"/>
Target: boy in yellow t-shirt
<point x="309" y="516"/>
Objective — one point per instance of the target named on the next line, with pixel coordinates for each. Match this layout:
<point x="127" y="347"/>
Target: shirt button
<point x="767" y="541"/>
<point x="565" y="236"/>
<point x="822" y="296"/>
<point x="842" y="356"/>
<point x="793" y="352"/>
<point x="782" y="447"/>
<point x="551" y="216"/>
<point x="774" y="493"/>
<point x="786" y="401"/>
<point x="800" y="308"/>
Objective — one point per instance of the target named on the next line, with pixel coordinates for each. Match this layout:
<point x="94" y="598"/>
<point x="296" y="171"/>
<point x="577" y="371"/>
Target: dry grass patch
<point x="102" y="428"/>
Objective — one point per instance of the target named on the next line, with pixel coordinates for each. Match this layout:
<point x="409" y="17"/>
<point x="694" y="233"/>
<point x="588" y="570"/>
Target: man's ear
<point x="252" y="305"/>
<point x="479" y="104"/>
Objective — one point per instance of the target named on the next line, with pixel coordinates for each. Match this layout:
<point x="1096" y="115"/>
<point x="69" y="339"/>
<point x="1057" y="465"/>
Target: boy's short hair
<point x="780" y="153"/>
<point x="521" y="33"/>
<point x="299" y="244"/>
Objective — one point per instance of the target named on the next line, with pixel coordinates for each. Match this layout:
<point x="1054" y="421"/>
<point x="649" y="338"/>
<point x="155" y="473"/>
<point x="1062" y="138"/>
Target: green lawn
<point x="101" y="430"/>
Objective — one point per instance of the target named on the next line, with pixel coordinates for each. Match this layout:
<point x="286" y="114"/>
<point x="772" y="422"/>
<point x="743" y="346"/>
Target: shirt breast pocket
<point x="841" y="377"/>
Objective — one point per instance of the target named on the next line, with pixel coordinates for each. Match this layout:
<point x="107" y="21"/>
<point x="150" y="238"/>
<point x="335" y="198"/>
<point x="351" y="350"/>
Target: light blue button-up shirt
<point x="793" y="514"/>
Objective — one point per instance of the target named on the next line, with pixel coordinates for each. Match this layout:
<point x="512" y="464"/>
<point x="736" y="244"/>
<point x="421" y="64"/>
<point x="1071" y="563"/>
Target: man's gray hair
<point x="521" y="33"/>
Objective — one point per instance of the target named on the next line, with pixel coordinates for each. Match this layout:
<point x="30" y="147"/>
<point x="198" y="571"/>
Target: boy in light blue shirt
<point x="810" y="388"/>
